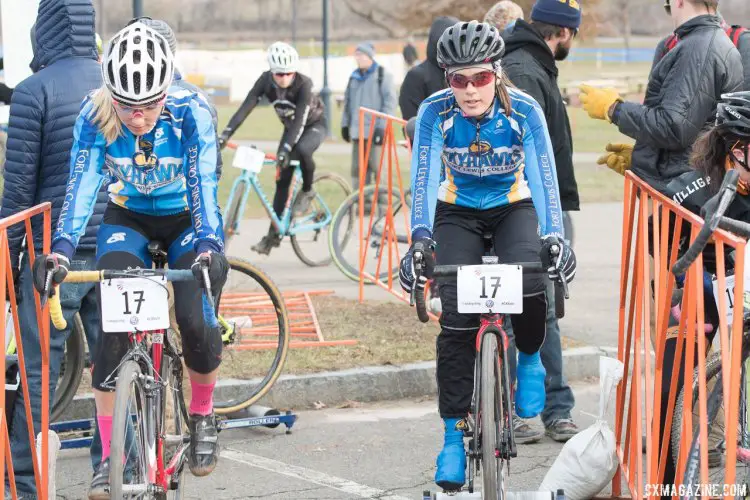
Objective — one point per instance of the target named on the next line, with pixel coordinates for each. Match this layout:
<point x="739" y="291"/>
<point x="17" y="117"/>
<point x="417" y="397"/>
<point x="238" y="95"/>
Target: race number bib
<point x="495" y="288"/>
<point x="728" y="291"/>
<point x="250" y="159"/>
<point x="135" y="304"/>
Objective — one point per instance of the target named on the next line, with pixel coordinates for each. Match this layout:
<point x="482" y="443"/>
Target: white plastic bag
<point x="587" y="462"/>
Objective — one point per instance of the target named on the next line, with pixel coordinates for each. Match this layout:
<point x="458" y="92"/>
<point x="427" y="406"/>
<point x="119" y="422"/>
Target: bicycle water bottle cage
<point x="158" y="254"/>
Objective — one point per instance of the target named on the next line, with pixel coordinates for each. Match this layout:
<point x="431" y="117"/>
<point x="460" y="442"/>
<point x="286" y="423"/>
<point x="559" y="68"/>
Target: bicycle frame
<point x="151" y="364"/>
<point x="284" y="223"/>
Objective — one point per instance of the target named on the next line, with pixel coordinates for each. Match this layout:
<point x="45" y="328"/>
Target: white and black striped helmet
<point x="282" y="58"/>
<point x="464" y="44"/>
<point x="137" y="65"/>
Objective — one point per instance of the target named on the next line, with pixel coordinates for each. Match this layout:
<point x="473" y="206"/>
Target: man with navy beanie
<point x="531" y="52"/>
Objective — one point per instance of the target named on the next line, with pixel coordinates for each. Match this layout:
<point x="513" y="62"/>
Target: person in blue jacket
<point x="482" y="163"/>
<point x="157" y="145"/>
<point x="43" y="111"/>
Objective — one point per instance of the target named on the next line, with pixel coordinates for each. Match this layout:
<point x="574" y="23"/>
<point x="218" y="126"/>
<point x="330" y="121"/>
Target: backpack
<point x="733" y="32"/>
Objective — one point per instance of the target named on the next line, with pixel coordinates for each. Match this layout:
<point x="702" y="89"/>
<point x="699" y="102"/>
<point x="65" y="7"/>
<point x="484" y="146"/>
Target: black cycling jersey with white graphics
<point x="296" y="106"/>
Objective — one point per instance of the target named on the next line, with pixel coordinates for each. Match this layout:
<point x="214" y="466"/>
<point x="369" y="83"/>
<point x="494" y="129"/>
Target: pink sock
<point x="202" y="401"/>
<point x="105" y="433"/>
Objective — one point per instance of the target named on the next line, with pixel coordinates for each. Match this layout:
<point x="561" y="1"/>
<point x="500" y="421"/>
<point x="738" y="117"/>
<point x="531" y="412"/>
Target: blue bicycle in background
<point x="307" y="232"/>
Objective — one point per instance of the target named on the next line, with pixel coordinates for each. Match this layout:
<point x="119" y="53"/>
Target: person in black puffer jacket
<point x="427" y="77"/>
<point x="683" y="89"/>
<point x="43" y="111"/>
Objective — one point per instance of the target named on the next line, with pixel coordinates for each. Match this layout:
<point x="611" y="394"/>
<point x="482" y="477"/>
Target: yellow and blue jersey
<point x="170" y="170"/>
<point x="483" y="164"/>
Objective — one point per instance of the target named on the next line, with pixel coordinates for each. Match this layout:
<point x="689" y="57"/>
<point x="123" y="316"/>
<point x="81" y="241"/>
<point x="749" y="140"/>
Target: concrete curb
<point x="377" y="383"/>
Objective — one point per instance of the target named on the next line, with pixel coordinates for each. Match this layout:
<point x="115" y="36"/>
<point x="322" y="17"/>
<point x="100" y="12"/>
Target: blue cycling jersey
<point x="485" y="163"/>
<point x="170" y="170"/>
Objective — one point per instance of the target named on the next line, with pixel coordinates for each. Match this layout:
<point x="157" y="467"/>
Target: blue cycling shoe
<point x="451" y="463"/>
<point x="530" y="395"/>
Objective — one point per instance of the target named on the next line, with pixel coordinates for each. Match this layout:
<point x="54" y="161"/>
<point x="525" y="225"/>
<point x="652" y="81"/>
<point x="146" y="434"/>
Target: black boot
<point x="268" y="242"/>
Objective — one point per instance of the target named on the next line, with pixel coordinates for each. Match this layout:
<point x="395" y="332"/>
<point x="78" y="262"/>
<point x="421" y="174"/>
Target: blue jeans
<point x="81" y="298"/>
<point x="560" y="400"/>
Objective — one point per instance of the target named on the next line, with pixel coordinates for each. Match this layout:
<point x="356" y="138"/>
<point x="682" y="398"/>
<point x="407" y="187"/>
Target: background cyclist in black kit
<point x="301" y="112"/>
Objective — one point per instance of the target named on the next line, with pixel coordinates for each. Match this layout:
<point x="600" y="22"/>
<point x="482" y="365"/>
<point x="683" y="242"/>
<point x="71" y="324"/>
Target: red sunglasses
<point x="459" y="81"/>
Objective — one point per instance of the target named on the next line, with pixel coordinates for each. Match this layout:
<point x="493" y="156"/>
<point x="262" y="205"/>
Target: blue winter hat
<point x="565" y="13"/>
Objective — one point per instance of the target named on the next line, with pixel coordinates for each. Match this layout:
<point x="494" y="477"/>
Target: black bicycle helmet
<point x="733" y="115"/>
<point x="469" y="43"/>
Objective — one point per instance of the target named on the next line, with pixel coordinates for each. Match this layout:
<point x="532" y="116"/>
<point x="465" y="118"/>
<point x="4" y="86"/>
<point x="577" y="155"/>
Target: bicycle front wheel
<point x="131" y="435"/>
<point x="255" y="326"/>
<point x="311" y="246"/>
<point x="71" y="369"/>
<point x="490" y="417"/>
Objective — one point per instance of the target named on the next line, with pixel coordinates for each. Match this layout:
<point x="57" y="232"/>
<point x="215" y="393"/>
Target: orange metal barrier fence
<point x="653" y="226"/>
<point x="389" y="238"/>
<point x="7" y="292"/>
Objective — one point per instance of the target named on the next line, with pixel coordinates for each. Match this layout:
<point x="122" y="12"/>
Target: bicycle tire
<point x="489" y="402"/>
<point x="296" y="246"/>
<point x="128" y="376"/>
<point x="233" y="213"/>
<point x="713" y="368"/>
<point x="172" y="373"/>
<point x="421" y="303"/>
<point x="252" y="395"/>
<point x="71" y="371"/>
<point x="335" y="245"/>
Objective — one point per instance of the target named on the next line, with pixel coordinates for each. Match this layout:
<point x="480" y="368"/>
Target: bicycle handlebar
<point x="715" y="209"/>
<point x="269" y="156"/>
<point x="450" y="271"/>
<point x="172" y="275"/>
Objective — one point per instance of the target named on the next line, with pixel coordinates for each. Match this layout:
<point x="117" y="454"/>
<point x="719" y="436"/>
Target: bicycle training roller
<point x="511" y="495"/>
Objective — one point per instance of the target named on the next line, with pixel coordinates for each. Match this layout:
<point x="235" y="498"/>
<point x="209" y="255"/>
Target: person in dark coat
<point x="532" y="50"/>
<point x="43" y="111"/>
<point x="683" y="89"/>
<point x="427" y="77"/>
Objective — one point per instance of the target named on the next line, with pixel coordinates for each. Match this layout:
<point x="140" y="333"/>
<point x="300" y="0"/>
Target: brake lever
<point x="554" y="251"/>
<point x="207" y="282"/>
<point x="417" y="258"/>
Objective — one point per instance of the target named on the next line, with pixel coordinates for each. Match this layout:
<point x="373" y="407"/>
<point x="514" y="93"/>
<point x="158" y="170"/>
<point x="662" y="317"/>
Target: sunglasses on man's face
<point x="283" y="74"/>
<point x="459" y="81"/>
<point x="668" y="7"/>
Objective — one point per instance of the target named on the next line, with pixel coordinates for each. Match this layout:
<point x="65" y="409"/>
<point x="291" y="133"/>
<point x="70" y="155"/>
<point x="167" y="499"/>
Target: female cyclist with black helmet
<point x="723" y="147"/>
<point x="482" y="163"/>
<point x="158" y="148"/>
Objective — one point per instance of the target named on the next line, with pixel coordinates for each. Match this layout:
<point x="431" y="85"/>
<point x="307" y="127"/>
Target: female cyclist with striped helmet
<point x="157" y="148"/>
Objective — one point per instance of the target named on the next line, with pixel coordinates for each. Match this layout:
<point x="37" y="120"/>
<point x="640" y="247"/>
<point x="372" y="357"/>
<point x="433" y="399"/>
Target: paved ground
<point x="383" y="451"/>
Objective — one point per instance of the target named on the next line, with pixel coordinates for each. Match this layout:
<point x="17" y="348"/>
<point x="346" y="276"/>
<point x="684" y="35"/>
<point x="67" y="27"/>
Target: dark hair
<point x="709" y="157"/>
<point x="548" y="31"/>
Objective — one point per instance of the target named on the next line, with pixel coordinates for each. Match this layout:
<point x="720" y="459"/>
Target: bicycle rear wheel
<point x="257" y="341"/>
<point x="311" y="246"/>
<point x="491" y="414"/>
<point x="345" y="249"/>
<point x="71" y="369"/>
<point x="231" y="219"/>
<point x="130" y="406"/>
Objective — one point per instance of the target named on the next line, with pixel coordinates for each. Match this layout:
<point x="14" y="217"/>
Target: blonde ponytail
<point x="105" y="116"/>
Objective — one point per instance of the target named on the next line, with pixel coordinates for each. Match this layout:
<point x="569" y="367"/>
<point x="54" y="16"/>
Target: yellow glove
<point x="619" y="157"/>
<point x="596" y="102"/>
